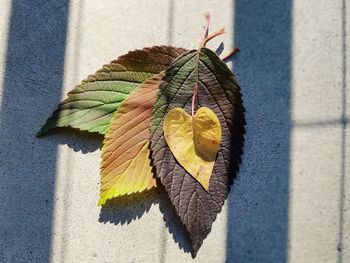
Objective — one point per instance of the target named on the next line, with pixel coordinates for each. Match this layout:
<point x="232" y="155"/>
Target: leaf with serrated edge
<point x="125" y="166"/>
<point x="194" y="141"/>
<point x="91" y="105"/>
<point x="219" y="91"/>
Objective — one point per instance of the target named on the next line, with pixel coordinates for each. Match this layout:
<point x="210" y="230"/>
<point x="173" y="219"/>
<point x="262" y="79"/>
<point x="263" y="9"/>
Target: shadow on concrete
<point x="174" y="225"/>
<point x="258" y="204"/>
<point x="125" y="209"/>
<point x="79" y="141"/>
<point x="32" y="89"/>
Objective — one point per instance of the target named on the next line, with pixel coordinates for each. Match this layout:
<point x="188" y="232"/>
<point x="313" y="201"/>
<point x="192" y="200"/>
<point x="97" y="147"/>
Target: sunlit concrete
<point x="319" y="178"/>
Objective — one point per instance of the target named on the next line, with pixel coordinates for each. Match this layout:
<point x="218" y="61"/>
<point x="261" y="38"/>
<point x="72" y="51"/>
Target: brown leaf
<point x="219" y="91"/>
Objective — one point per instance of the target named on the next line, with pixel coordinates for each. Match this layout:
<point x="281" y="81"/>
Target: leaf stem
<point x="210" y="37"/>
<point x="204" y="40"/>
<point x="230" y="54"/>
<point x="206" y="28"/>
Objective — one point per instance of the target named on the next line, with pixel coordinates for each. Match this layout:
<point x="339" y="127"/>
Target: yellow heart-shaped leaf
<point x="194" y="141"/>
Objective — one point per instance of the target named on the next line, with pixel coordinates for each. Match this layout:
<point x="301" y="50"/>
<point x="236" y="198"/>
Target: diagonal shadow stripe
<point x="32" y="88"/>
<point x="258" y="204"/>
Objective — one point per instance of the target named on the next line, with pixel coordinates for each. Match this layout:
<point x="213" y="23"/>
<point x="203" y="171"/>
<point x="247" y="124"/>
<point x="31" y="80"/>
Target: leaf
<point x="126" y="167"/>
<point x="219" y="91"/>
<point x="194" y="141"/>
<point x="91" y="105"/>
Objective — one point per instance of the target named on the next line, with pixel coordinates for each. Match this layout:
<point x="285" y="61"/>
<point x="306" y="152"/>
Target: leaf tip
<point x="40" y="133"/>
<point x="48" y="126"/>
<point x="101" y="201"/>
<point x="193" y="254"/>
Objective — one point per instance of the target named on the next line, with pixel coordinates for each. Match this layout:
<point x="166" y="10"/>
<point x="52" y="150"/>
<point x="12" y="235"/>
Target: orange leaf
<point x="126" y="166"/>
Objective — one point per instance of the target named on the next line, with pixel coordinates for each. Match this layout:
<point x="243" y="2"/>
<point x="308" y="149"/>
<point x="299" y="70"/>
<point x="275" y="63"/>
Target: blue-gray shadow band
<point x="32" y="89"/>
<point x="258" y="203"/>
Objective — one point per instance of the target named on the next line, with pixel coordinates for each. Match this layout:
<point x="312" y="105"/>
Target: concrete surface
<point x="290" y="202"/>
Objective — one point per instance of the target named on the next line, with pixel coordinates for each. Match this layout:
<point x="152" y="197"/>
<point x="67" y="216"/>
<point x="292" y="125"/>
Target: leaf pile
<point x="166" y="113"/>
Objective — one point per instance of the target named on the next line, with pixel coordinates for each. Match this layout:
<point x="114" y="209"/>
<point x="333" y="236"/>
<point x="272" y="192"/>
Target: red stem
<point x="206" y="28"/>
<point x="230" y="54"/>
<point x="195" y="91"/>
<point x="204" y="40"/>
<point x="211" y="36"/>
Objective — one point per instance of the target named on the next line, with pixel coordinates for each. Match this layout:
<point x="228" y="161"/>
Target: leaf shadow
<point x="75" y="139"/>
<point x="218" y="51"/>
<point x="125" y="209"/>
<point x="173" y="223"/>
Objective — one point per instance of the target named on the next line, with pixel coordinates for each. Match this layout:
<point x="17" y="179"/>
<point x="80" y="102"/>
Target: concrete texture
<point x="290" y="202"/>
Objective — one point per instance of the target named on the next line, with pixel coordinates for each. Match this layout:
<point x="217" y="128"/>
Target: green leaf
<point x="217" y="90"/>
<point x="91" y="105"/>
